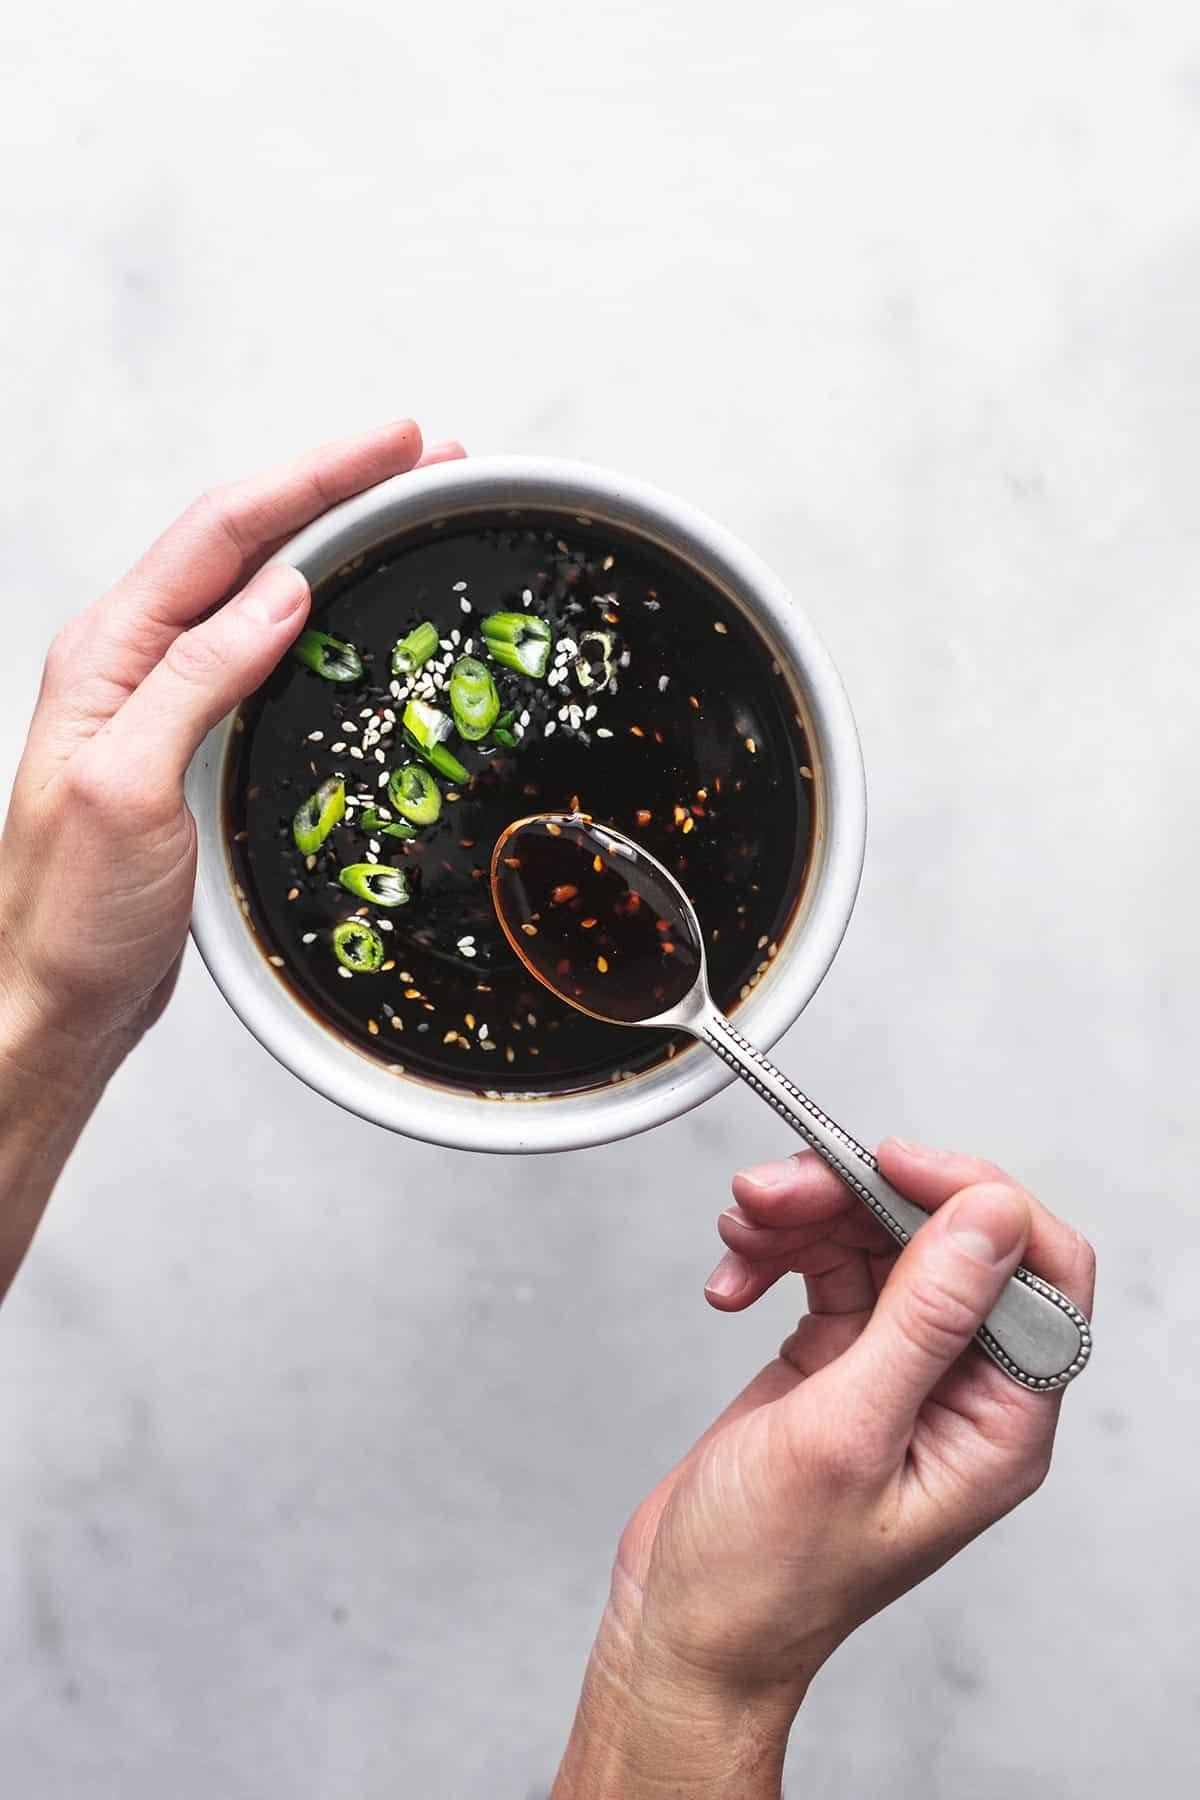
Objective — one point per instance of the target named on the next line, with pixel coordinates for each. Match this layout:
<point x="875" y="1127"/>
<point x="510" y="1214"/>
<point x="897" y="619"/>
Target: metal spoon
<point x="602" y="924"/>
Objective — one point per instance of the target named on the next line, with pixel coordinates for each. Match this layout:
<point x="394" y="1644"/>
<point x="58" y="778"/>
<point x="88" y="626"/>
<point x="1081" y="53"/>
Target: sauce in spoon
<point x="594" y="921"/>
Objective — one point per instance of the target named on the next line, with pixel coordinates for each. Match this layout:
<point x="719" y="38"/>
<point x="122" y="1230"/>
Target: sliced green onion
<point x="415" y="649"/>
<point x="473" y="698"/>
<point x="594" y="665"/>
<point x="446" y="763"/>
<point x="357" y="946"/>
<point x="520" y="641"/>
<point x="426" y="727"/>
<point x="504" y="736"/>
<point x="373" y="820"/>
<point x="377" y="882"/>
<point x="320" y="813"/>
<point x="415" y="794"/>
<point x="328" y="656"/>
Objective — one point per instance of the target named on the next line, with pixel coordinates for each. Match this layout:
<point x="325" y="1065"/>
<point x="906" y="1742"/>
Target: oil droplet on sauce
<point x="609" y="932"/>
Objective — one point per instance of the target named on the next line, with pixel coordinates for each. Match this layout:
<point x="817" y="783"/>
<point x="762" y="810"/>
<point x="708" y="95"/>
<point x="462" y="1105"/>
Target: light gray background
<point x="315" y="1442"/>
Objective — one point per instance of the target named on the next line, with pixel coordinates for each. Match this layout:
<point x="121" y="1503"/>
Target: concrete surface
<point x="316" y="1442"/>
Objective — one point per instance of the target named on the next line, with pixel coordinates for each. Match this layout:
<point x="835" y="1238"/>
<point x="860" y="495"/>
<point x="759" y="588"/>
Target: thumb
<point x="205" y="672"/>
<point x="940" y="1291"/>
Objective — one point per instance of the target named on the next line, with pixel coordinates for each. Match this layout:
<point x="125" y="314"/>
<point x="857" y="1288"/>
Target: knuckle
<point x="935" y="1318"/>
<point x="99" y="788"/>
<point x="195" y="657"/>
<point x="59" y="657"/>
<point x="1085" y="1256"/>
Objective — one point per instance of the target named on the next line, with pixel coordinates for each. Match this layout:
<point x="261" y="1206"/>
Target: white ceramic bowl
<point x="440" y="1115"/>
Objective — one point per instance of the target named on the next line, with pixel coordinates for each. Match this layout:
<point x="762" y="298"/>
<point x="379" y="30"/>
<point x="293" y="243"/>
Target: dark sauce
<point x="695" y="750"/>
<point x="595" y="921"/>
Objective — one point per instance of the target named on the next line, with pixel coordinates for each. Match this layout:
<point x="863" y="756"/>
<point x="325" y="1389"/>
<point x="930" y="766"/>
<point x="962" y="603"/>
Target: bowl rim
<point x="460" y="1119"/>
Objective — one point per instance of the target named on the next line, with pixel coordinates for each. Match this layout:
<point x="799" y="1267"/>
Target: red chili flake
<point x="702" y="793"/>
<point x="668" y="949"/>
<point x="699" y="812"/>
<point x="586" y="924"/>
<point x="680" y="814"/>
<point x="512" y="862"/>
<point x="602" y="964"/>
<point x="563" y="893"/>
<point x="611" y="618"/>
<point x="529" y="930"/>
<point x="553" y="829"/>
<point x="659" y="738"/>
<point x="637" y="731"/>
<point x="692" y="701"/>
<point x="643" y="817"/>
<point x="564" y="967"/>
<point x="574" y="802"/>
<point x="662" y="925"/>
<point x="598" y="864"/>
<point x="467" y="843"/>
<point x="373" y="1028"/>
<point x="688" y="825"/>
<point x="293" y="893"/>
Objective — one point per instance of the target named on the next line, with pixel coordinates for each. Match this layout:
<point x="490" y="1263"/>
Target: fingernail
<point x="989" y="1223"/>
<point x="737" y="1217"/>
<point x="446" y="451"/>
<point x="274" y="594"/>
<point x="728" y="1278"/>
<point x="769" y="1176"/>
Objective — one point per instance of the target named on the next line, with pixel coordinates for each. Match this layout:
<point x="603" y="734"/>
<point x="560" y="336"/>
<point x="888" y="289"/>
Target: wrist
<point x="45" y="1056"/>
<point x="650" y="1725"/>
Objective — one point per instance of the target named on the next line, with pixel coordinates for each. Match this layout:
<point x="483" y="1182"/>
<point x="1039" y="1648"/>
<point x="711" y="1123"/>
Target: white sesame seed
<point x="482" y="1033"/>
<point x="603" y="731"/>
<point x="338" y="748"/>
<point x="460" y="587"/>
<point x="527" y="597"/>
<point x="468" y="950"/>
<point x="465" y="604"/>
<point x="551" y="727"/>
<point x="562" y="713"/>
<point x="394" y="690"/>
<point x="567" y="647"/>
<point x="355" y="751"/>
<point x="389" y="715"/>
<point x="554" y="677"/>
<point x="375" y="845"/>
<point x="365" y="713"/>
<point x="372" y="857"/>
<point x="383" y="780"/>
<point x="315" y="737"/>
<point x="591" y="712"/>
<point x="663" y="683"/>
<point x="468" y="937"/>
<point x="345" y="974"/>
<point x="468" y="646"/>
<point x="310" y="937"/>
<point x="349" y="727"/>
<point x="456" y="636"/>
<point x="380" y="757"/>
<point x="445" y="643"/>
<point x="525" y="717"/>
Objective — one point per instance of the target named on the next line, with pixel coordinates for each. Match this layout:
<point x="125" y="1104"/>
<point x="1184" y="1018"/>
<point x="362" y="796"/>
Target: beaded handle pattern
<point x="1034" y="1309"/>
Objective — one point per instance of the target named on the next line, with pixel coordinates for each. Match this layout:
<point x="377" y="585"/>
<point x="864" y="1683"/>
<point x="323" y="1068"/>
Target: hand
<point x="98" y="856"/>
<point x="876" y="1445"/>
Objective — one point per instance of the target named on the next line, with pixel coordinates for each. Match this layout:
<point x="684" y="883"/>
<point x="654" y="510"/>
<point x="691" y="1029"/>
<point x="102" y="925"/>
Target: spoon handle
<point x="1035" y="1334"/>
